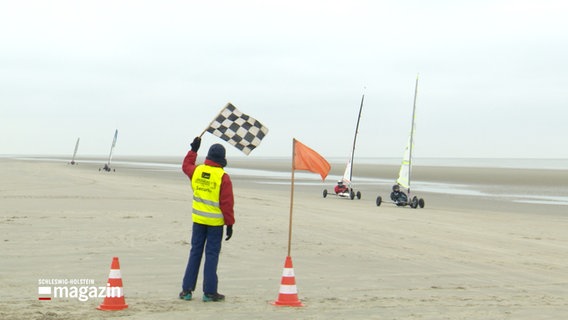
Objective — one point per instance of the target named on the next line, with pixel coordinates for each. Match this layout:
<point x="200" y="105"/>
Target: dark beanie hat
<point x="217" y="154"/>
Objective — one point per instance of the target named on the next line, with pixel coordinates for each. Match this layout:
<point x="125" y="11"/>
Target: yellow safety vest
<point x="206" y="185"/>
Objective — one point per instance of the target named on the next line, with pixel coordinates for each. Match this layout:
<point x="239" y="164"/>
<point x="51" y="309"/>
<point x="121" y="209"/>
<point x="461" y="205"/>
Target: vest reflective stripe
<point x="206" y="184"/>
<point x="206" y="214"/>
<point x="211" y="203"/>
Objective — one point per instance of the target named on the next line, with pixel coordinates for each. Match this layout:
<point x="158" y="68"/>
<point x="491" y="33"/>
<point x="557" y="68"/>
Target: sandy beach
<point x="460" y="257"/>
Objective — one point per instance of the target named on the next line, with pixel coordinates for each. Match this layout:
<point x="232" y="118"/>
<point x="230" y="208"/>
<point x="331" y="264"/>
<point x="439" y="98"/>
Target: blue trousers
<point x="208" y="238"/>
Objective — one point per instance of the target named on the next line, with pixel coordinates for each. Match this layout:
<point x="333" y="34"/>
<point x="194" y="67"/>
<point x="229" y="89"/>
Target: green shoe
<point x="185" y="295"/>
<point x="208" y="297"/>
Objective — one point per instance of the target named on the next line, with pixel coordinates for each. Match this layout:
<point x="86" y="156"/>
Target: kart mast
<point x="355" y="139"/>
<point x="412" y="137"/>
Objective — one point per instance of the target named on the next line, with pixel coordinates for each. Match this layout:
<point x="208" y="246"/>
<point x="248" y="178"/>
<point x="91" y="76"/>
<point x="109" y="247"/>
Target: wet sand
<point x="461" y="257"/>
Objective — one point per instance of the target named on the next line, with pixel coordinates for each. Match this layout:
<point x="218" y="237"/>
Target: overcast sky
<point x="493" y="75"/>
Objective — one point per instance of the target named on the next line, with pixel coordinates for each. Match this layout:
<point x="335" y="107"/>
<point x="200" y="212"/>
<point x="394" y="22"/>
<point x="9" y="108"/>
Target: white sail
<point x="75" y="152"/>
<point x="405" y="172"/>
<point x="112" y="146"/>
<point x="347" y="174"/>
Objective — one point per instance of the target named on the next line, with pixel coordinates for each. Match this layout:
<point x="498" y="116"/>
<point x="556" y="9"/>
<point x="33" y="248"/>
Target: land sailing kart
<point x="346" y="190"/>
<point x="72" y="162"/>
<point x="349" y="193"/>
<point x="107" y="167"/>
<point x="400" y="199"/>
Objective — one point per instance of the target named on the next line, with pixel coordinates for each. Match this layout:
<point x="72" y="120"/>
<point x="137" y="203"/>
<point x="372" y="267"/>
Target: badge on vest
<point x="206" y="175"/>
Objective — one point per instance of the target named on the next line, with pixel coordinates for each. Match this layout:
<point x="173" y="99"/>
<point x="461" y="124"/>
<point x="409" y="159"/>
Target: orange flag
<point x="307" y="159"/>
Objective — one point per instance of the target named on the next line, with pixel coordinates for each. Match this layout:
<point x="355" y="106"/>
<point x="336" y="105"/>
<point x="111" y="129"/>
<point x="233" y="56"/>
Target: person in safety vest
<point x="212" y="209"/>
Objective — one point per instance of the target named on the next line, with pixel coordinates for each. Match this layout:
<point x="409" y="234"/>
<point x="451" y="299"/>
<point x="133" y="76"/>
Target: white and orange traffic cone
<point x="114" y="299"/>
<point x="288" y="295"/>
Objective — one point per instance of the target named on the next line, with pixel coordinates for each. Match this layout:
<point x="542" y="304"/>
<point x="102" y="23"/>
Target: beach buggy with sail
<point x="72" y="162"/>
<point x="397" y="195"/>
<point x="344" y="187"/>
<point x="107" y="165"/>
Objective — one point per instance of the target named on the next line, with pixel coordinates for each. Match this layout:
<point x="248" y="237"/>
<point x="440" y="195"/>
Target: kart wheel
<point x="414" y="202"/>
<point x="324" y="193"/>
<point x="358" y="195"/>
<point x="421" y="203"/>
<point x="351" y="194"/>
<point x="379" y="200"/>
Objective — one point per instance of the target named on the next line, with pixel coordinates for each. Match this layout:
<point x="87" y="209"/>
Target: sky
<point x="492" y="76"/>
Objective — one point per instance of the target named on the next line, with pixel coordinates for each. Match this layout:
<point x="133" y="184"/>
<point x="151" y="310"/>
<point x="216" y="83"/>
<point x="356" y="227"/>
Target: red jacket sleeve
<point x="188" y="165"/>
<point x="226" y="200"/>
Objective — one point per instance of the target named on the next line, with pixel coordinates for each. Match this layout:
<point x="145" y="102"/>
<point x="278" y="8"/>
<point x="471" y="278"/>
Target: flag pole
<point x="291" y="197"/>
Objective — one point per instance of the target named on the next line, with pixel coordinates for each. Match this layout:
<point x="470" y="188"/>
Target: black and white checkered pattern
<point x="238" y="129"/>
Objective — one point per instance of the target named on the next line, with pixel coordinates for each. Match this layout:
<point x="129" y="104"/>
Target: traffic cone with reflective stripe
<point x="288" y="295"/>
<point x="114" y="299"/>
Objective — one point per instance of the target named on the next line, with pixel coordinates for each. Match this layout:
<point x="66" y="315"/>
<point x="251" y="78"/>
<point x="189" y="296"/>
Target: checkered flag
<point x="238" y="129"/>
